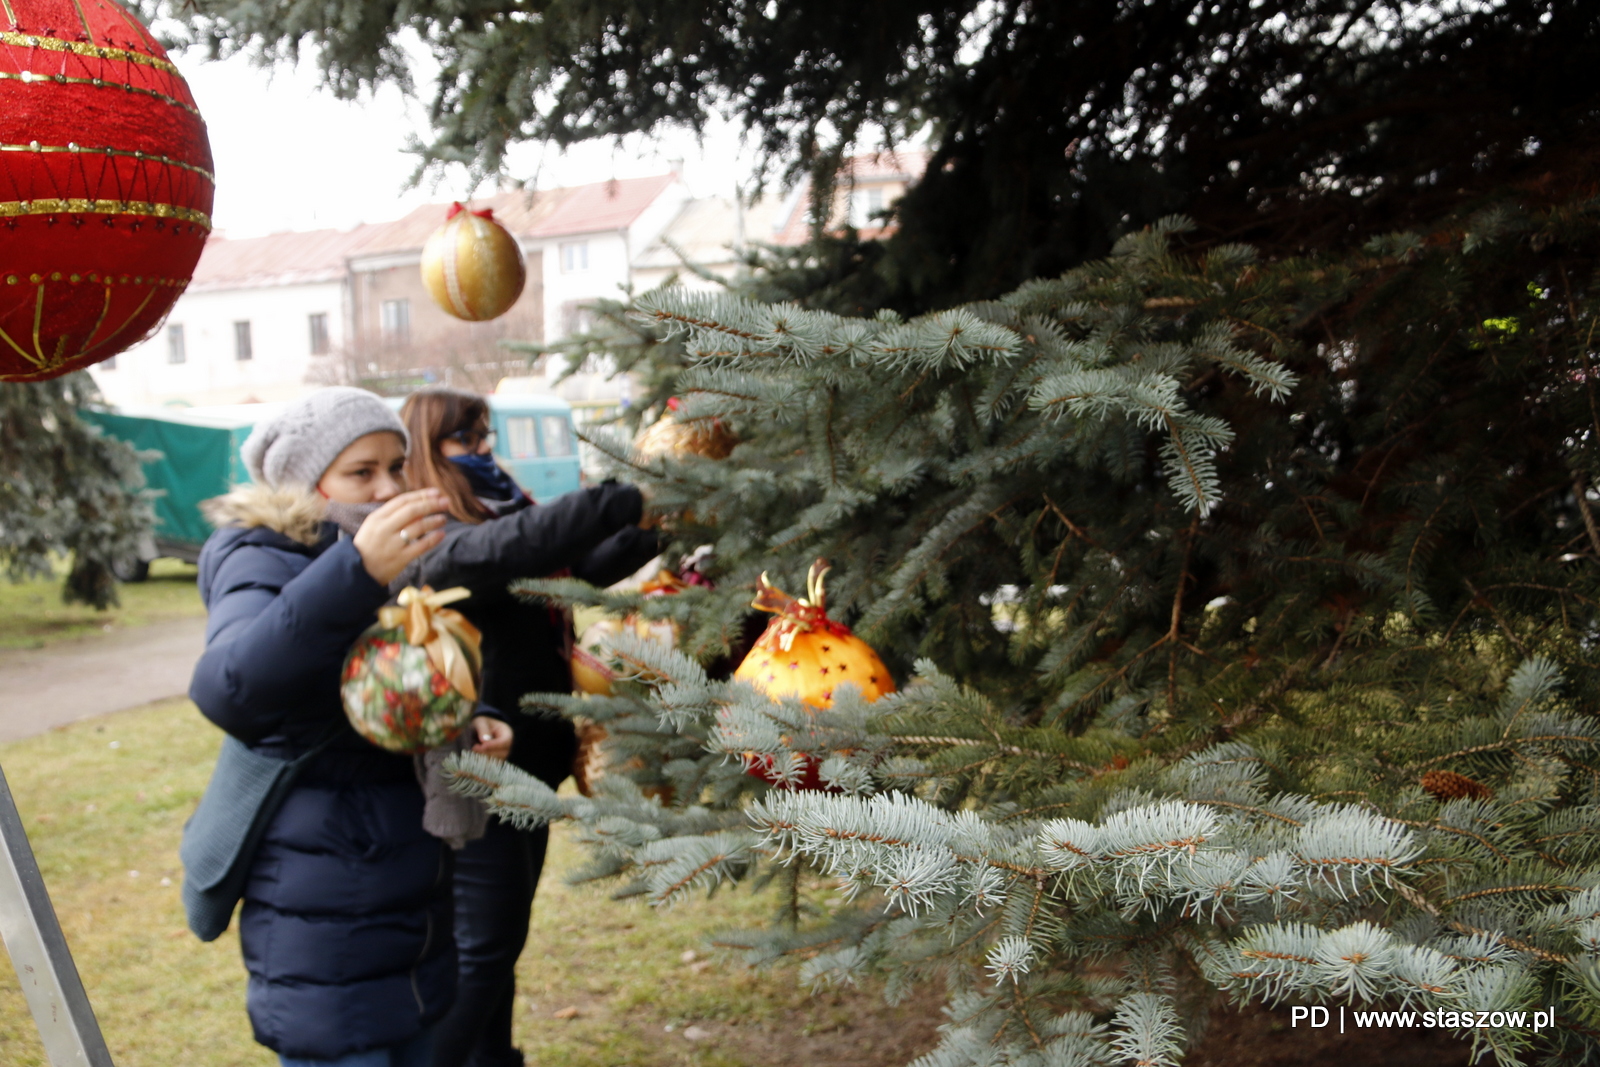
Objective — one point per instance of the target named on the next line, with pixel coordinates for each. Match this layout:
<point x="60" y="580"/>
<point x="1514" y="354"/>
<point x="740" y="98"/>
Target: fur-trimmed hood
<point x="296" y="513"/>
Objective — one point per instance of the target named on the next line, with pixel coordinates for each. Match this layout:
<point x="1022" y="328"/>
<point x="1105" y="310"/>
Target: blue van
<point x="535" y="442"/>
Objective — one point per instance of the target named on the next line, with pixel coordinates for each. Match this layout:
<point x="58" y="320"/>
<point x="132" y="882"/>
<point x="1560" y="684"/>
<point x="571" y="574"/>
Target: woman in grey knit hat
<point x="347" y="905"/>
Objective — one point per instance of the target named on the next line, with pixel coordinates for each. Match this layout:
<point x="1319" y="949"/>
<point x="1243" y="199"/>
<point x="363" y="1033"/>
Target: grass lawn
<point x="104" y="801"/>
<point x="32" y="614"/>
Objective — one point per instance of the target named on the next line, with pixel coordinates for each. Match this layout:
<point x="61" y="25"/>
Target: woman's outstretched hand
<point x="494" y="737"/>
<point x="400" y="531"/>
<point x="649" y="517"/>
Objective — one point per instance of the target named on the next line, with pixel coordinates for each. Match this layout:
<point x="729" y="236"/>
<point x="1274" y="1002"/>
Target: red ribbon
<point x="457" y="208"/>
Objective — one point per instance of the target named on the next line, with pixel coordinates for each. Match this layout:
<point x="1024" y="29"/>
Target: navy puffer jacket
<point x="347" y="911"/>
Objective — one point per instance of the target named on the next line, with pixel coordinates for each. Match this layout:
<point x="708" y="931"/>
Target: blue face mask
<point x="487" y="479"/>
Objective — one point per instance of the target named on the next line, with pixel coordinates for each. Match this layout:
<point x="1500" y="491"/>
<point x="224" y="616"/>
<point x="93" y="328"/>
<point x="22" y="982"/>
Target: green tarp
<point x="199" y="460"/>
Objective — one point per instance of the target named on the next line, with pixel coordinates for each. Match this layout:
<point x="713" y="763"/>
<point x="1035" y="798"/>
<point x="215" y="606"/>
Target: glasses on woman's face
<point x="472" y="440"/>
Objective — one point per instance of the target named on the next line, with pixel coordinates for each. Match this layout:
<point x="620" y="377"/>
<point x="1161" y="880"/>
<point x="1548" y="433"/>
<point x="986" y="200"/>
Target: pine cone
<point x="1448" y="785"/>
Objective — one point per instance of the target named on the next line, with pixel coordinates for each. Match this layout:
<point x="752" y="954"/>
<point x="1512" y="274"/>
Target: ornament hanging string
<point x="805" y="615"/>
<point x="452" y="643"/>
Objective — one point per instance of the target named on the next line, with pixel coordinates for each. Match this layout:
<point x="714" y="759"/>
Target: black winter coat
<point x="346" y="925"/>
<point x="593" y="532"/>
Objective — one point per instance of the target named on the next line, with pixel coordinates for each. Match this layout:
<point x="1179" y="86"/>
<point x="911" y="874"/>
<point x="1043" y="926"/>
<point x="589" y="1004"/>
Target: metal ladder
<point x="67" y="1026"/>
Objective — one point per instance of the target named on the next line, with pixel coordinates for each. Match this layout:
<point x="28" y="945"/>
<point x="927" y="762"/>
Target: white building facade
<point x="248" y="329"/>
<point x="588" y="244"/>
<point x="226" y="346"/>
<point x="261" y="314"/>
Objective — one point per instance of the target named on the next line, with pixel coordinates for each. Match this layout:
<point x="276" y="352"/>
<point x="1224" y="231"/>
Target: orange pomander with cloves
<point x="805" y="654"/>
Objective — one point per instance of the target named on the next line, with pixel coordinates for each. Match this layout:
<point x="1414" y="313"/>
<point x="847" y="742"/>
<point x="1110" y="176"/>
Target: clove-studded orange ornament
<point x="805" y="654"/>
<point x="472" y="265"/>
<point x="105" y="185"/>
<point x="593" y="675"/>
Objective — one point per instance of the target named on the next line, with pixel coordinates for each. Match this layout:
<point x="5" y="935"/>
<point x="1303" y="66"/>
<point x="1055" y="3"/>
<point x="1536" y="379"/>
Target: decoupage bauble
<point x="590" y="674"/>
<point x="396" y="699"/>
<point x="105" y="185"/>
<point x="805" y="654"/>
<point x="472" y="266"/>
<point x="410" y="683"/>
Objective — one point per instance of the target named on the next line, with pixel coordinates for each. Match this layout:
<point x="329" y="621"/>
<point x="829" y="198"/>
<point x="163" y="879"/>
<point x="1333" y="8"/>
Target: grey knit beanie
<point x="303" y="441"/>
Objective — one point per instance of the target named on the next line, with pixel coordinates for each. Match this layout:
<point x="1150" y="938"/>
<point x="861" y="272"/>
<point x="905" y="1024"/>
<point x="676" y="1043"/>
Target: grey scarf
<point x="448" y="815"/>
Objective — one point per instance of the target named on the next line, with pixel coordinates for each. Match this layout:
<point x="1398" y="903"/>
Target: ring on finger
<point x="405" y="537"/>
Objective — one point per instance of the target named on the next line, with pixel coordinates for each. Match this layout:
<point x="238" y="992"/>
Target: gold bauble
<point x="591" y="673"/>
<point x="669" y="437"/>
<point x="472" y="266"/>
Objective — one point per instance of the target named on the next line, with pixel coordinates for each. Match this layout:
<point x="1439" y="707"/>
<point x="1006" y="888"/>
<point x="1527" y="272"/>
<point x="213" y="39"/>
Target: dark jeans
<point x="496" y="876"/>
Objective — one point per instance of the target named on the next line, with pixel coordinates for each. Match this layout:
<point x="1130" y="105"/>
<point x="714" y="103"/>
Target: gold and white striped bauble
<point x="472" y="266"/>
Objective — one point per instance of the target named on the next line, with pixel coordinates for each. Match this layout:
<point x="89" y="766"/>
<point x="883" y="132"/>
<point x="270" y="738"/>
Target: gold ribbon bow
<point x="664" y="583"/>
<point x="452" y="643"/>
<point x="798" y="616"/>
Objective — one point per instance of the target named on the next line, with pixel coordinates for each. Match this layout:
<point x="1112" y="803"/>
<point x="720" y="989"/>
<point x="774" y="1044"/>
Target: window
<point x="395" y="320"/>
<point x="519" y="438"/>
<point x="242" y="347"/>
<point x="864" y="207"/>
<point x="577" y="317"/>
<point x="574" y="256"/>
<point x="557" y="441"/>
<point x="319" y="333"/>
<point x="175" y="350"/>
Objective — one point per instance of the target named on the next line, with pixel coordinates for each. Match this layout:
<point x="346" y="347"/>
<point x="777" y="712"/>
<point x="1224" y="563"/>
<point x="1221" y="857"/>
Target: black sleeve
<point x="530" y="543"/>
<point x="490" y="712"/>
<point x="617" y="556"/>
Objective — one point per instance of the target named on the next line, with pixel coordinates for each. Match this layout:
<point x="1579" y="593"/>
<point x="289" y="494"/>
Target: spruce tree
<point x="1243" y="612"/>
<point x="68" y="490"/>
<point x="1056" y="125"/>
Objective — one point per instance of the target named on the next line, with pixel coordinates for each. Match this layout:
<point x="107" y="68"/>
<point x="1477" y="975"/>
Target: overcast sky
<point x="291" y="157"/>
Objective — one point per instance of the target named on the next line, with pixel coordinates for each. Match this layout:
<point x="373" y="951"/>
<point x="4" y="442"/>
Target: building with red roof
<point x="266" y="318"/>
<point x="714" y="233"/>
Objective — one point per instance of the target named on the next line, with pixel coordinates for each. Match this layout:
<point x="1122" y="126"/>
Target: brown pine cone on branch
<point x="1448" y="785"/>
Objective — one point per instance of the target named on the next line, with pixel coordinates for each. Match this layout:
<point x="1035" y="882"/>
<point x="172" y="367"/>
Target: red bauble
<point x="105" y="185"/>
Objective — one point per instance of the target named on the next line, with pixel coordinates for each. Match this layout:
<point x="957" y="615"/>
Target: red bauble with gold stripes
<point x="105" y="185"/>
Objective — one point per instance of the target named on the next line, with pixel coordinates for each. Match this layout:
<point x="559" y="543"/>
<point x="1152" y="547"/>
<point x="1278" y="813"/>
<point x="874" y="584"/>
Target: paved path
<point x="71" y="680"/>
